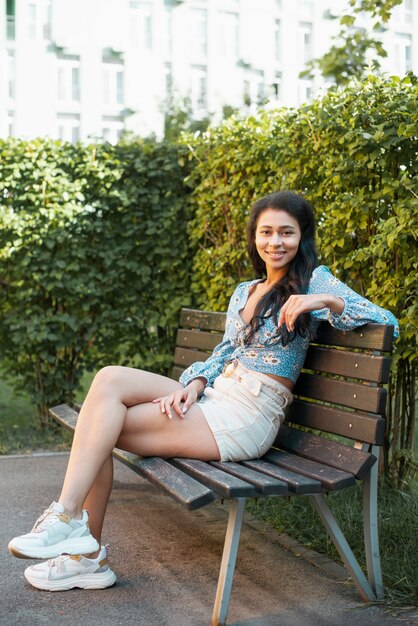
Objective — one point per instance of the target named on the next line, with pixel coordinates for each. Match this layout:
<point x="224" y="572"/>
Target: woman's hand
<point x="304" y="303"/>
<point x="188" y="395"/>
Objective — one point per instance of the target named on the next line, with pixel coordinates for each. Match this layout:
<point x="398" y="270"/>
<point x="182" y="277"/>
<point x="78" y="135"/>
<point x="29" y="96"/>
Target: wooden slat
<point x="356" y="396"/>
<point x="296" y="482"/>
<point x="185" y="357"/>
<point x="65" y="415"/>
<point x="205" y="320"/>
<point x="370" y="337"/>
<point x="368" y="367"/>
<point x="351" y="364"/>
<point x="322" y="450"/>
<point x="265" y="484"/>
<point x="176" y="372"/>
<point x="330" y="478"/>
<point x="175" y="483"/>
<point x="200" y="339"/>
<point x="183" y="488"/>
<point x="354" y="425"/>
<point x="226" y="485"/>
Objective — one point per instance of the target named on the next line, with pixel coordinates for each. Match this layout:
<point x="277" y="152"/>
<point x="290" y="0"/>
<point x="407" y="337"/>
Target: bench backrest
<point x="340" y="390"/>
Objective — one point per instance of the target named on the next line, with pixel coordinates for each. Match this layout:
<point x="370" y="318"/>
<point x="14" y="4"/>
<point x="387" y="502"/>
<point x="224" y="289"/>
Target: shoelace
<point x="58" y="562"/>
<point x="48" y="517"/>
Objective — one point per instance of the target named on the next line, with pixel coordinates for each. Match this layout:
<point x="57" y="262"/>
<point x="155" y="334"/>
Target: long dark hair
<point x="296" y="280"/>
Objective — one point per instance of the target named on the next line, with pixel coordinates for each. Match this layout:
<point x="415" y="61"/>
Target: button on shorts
<point x="244" y="410"/>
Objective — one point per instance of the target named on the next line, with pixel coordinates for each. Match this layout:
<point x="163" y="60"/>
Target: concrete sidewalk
<point x="167" y="561"/>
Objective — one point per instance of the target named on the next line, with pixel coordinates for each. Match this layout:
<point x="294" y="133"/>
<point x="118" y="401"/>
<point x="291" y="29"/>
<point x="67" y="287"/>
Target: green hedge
<point x="100" y="246"/>
<point x="93" y="264"/>
<point x="354" y="154"/>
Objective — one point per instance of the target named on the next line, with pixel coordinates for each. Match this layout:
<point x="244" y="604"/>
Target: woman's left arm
<point x="330" y="299"/>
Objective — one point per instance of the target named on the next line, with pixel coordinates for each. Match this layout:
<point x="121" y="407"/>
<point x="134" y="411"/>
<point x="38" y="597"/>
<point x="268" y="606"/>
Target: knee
<point x="108" y="376"/>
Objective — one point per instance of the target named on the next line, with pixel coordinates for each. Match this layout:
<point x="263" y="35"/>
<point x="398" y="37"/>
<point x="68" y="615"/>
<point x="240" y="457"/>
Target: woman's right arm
<point x="212" y="367"/>
<point x="222" y="353"/>
<point x="194" y="380"/>
<point x="202" y="373"/>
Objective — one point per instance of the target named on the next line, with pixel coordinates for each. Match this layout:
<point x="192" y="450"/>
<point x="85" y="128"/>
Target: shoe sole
<point x="83" y="581"/>
<point x="78" y="545"/>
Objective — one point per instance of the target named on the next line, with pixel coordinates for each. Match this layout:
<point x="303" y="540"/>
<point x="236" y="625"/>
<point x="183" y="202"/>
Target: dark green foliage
<point x="94" y="262"/>
<point x="354" y="154"/>
<point x="99" y="244"/>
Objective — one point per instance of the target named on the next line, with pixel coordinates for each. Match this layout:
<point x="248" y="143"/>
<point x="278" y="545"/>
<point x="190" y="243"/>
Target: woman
<point x="227" y="408"/>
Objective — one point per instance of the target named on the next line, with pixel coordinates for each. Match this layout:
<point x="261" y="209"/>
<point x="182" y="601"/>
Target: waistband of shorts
<point x="235" y="369"/>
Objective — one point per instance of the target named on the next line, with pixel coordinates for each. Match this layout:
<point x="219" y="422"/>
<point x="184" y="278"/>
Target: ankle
<point x="93" y="555"/>
<point x="71" y="511"/>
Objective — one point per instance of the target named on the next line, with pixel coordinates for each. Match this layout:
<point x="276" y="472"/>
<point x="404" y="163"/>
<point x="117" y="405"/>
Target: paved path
<point x="167" y="562"/>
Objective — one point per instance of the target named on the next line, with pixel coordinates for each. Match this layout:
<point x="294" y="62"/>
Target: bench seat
<point x="330" y="440"/>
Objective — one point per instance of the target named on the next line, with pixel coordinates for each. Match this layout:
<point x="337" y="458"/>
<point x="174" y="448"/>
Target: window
<point x="229" y="34"/>
<point x="68" y="127"/>
<point x="113" y="83"/>
<point x="199" y="87"/>
<point x="404" y="12"/>
<point x="11" y="88"/>
<point x="141" y="22"/>
<point x="199" y="32"/>
<point x="305" y="39"/>
<point x="277" y="41"/>
<point x="39" y="20"/>
<point x="276" y="86"/>
<point x="304" y="90"/>
<point x="408" y="11"/>
<point x="168" y="79"/>
<point x="254" y="88"/>
<point x="168" y="29"/>
<point x="403" y="53"/>
<point x="260" y="90"/>
<point x="10" y="19"/>
<point x="68" y="80"/>
<point x="306" y="8"/>
<point x="48" y="21"/>
<point x="112" y="129"/>
<point x="10" y="124"/>
<point x="32" y="21"/>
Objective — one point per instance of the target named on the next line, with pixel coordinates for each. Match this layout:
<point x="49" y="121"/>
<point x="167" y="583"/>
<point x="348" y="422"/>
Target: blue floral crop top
<point x="265" y="353"/>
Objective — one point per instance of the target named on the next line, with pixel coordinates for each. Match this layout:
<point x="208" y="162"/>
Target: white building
<point x="83" y="69"/>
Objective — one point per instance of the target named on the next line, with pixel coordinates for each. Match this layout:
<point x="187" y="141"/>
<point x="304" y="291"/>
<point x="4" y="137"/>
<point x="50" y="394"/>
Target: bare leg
<point x="98" y="497"/>
<point x="118" y="410"/>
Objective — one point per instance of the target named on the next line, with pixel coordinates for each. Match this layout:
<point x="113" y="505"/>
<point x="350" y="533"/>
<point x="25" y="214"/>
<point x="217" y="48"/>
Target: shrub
<point x="96" y="257"/>
<point x="93" y="264"/>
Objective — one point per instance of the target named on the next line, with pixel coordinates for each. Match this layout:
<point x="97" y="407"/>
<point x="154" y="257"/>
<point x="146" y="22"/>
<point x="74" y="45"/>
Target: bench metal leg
<point x="371" y="536"/>
<point x="343" y="548"/>
<point x="229" y="558"/>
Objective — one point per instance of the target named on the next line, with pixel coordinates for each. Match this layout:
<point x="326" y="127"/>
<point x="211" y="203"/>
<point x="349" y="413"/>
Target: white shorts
<point x="244" y="410"/>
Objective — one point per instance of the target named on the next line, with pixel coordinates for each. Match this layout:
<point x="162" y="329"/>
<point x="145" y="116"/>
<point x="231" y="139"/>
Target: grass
<point x="20" y="430"/>
<point x="398" y="533"/>
<point x="398" y="511"/>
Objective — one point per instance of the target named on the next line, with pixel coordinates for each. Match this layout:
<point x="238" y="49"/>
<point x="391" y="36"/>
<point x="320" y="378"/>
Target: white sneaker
<point x="69" y="571"/>
<point x="55" y="533"/>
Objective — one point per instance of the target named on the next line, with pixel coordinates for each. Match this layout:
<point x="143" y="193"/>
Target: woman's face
<point x="277" y="237"/>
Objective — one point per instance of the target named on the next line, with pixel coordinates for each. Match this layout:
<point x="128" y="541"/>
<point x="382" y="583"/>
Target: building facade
<point x="90" y="69"/>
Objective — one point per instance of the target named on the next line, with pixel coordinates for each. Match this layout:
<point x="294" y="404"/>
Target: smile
<point x="276" y="255"/>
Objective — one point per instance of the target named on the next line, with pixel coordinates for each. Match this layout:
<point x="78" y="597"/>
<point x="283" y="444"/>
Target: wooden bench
<point x="339" y="392"/>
